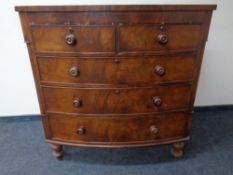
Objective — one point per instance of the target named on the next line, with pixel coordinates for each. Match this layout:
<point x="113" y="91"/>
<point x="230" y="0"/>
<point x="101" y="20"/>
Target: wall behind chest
<point x="17" y="91"/>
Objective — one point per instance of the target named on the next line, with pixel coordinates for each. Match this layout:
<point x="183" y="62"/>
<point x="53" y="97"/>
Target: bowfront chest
<point x="116" y="76"/>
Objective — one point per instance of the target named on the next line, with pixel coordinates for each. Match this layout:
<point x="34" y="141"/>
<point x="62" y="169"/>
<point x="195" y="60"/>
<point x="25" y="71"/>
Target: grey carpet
<point x="209" y="152"/>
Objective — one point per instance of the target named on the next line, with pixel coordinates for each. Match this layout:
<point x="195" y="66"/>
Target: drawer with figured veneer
<point x="81" y="39"/>
<point x="150" y="38"/>
<point x="117" y="100"/>
<point x="116" y="76"/>
<point x="145" y="129"/>
<point x="131" y="70"/>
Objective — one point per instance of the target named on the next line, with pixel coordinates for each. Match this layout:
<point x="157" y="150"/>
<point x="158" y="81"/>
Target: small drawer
<point x="150" y="38"/>
<point x="81" y="39"/>
<point x="117" y="100"/>
<point x="117" y="130"/>
<point x="131" y="70"/>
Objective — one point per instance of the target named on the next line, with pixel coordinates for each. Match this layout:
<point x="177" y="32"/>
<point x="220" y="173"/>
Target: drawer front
<point x="114" y="129"/>
<point x="149" y="38"/>
<point x="116" y="70"/>
<point x="83" y="39"/>
<point x="117" y="100"/>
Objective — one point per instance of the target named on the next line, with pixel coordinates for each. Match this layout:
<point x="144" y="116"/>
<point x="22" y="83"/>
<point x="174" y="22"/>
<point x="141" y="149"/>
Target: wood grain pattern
<point x="88" y="39"/>
<point x="114" y="70"/>
<point x="114" y="129"/>
<point x="143" y="37"/>
<point x="68" y="19"/>
<point x="116" y="76"/>
<point x="116" y="100"/>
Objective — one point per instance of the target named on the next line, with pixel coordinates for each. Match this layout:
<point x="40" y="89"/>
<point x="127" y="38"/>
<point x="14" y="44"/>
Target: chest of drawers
<point x="116" y="76"/>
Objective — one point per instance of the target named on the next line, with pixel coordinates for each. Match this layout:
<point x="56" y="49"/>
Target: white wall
<point x="17" y="92"/>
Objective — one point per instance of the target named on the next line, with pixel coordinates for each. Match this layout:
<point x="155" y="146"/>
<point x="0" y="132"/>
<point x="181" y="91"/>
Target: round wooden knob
<point x="162" y="39"/>
<point x="81" y="130"/>
<point x="157" y="101"/>
<point x="154" y="129"/>
<point x="77" y="103"/>
<point x="70" y="39"/>
<point x="74" y="71"/>
<point x="160" y="70"/>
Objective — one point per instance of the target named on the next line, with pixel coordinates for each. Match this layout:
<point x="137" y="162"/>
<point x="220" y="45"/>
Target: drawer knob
<point x="160" y="70"/>
<point x="162" y="39"/>
<point x="154" y="129"/>
<point x="74" y="71"/>
<point x="81" y="130"/>
<point x="70" y="39"/>
<point x="77" y="102"/>
<point x="157" y="101"/>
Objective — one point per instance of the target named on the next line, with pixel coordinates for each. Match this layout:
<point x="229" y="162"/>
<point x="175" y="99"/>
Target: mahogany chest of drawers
<point x="116" y="76"/>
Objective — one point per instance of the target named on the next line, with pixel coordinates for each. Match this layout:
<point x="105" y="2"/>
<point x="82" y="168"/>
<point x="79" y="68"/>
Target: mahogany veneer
<point x="116" y="76"/>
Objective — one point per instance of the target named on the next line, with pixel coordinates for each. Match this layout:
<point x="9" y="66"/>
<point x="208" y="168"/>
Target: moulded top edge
<point x="175" y="7"/>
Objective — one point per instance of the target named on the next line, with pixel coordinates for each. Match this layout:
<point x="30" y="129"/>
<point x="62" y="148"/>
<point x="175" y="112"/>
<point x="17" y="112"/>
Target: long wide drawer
<point x="117" y="100"/>
<point x="131" y="70"/>
<point x="118" y="130"/>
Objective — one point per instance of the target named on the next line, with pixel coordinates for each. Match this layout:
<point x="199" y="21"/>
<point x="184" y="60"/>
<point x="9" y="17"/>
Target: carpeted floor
<point x="209" y="152"/>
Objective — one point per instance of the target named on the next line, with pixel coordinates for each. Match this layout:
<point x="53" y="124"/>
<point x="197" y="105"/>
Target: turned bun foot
<point x="177" y="149"/>
<point x="57" y="151"/>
